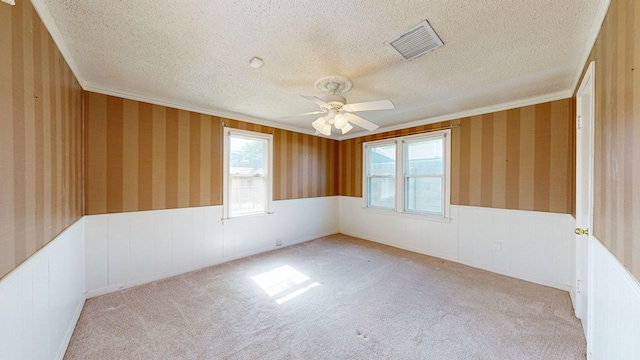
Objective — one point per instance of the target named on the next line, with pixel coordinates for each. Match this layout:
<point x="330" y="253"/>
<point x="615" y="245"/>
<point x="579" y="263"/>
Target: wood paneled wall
<point x="140" y="156"/>
<point x="40" y="137"/>
<point x="616" y="220"/>
<point x="515" y="159"/>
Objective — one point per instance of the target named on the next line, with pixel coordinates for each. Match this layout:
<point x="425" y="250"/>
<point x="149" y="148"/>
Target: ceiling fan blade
<point x="311" y="113"/>
<point x="370" y="105"/>
<point x="316" y="100"/>
<point x="366" y="124"/>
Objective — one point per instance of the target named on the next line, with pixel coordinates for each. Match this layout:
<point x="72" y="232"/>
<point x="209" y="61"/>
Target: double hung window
<point x="247" y="173"/>
<point x="408" y="174"/>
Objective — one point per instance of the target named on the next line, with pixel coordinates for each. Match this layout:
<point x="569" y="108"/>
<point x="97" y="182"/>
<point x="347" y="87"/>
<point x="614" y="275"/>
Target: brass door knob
<point x="580" y="231"/>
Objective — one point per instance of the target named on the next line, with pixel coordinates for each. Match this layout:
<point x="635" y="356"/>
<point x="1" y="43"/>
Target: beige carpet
<point x="333" y="298"/>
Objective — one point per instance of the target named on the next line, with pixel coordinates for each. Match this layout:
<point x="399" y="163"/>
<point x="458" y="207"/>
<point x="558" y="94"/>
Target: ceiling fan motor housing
<point x="336" y="101"/>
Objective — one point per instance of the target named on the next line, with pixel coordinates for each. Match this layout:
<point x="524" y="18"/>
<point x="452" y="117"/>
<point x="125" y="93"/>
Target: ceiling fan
<point x="338" y="113"/>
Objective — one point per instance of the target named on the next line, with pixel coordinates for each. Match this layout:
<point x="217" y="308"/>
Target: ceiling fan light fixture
<point x="339" y="121"/>
<point x="318" y="124"/>
<point x="346" y="128"/>
<point x="338" y="113"/>
<point x="321" y="126"/>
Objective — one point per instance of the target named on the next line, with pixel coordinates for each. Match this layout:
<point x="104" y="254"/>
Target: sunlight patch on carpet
<point x="285" y="281"/>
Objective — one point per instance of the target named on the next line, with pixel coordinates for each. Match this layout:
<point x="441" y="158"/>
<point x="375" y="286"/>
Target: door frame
<point x="584" y="214"/>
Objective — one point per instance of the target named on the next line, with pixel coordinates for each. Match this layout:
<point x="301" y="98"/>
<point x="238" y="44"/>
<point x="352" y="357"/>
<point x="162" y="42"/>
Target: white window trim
<point x="365" y="173"/>
<point x="400" y="192"/>
<point x="225" y="169"/>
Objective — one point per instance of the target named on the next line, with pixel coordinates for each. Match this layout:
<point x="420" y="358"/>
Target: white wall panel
<point x="142" y="244"/>
<point x="11" y="318"/>
<point x="28" y="323"/>
<point x="41" y="300"/>
<point x="614" y="307"/>
<point x="182" y="238"/>
<point x="163" y="242"/>
<point x="436" y="238"/>
<point x="212" y="235"/>
<point x="41" y="310"/>
<point x="197" y="228"/>
<point x="118" y="247"/>
<point x="96" y="251"/>
<point x="176" y="241"/>
<point x="529" y="245"/>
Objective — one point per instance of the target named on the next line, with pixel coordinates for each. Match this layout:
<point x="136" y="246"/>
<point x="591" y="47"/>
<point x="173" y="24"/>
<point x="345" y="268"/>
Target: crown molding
<point x="223" y="114"/>
<point x="43" y="11"/>
<point x="601" y="13"/>
<point x="565" y="94"/>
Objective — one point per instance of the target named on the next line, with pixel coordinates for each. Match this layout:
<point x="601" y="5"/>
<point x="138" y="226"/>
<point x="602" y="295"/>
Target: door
<point x="585" y="106"/>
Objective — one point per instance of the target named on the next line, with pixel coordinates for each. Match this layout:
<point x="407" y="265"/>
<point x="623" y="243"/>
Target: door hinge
<point x="579" y="122"/>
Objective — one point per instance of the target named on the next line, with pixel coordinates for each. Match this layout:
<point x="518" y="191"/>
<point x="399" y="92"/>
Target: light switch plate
<point x="10" y="2"/>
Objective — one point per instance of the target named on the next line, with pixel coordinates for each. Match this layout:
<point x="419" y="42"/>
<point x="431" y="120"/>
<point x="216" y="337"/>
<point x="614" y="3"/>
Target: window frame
<point x="400" y="208"/>
<point x="226" y="178"/>
<point x="367" y="195"/>
<point x="406" y="176"/>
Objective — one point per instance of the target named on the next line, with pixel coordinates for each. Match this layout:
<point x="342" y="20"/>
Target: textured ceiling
<point x="194" y="54"/>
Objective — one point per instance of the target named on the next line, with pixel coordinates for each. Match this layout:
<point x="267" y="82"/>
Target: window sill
<point x="434" y="218"/>
<point x="243" y="217"/>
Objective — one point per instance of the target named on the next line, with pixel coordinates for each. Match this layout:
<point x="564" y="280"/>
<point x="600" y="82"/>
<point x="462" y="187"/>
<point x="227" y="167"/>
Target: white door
<point x="585" y="106"/>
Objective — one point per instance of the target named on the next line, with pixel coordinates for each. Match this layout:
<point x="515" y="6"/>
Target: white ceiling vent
<point x="417" y="41"/>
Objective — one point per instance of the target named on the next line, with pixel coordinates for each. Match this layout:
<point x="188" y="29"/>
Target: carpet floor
<point x="336" y="297"/>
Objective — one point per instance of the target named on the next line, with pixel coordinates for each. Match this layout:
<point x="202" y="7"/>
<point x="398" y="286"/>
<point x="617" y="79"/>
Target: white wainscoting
<point x="41" y="300"/>
<point x="129" y="249"/>
<point x="435" y="238"/>
<point x="533" y="246"/>
<point x="530" y="245"/>
<point x="614" y="307"/>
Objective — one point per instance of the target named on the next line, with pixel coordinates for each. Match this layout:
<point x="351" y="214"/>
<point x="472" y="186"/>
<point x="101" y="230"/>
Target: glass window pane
<point x="247" y="195"/>
<point x="424" y="194"/>
<point x="382" y="159"/>
<point x="382" y="192"/>
<point x="247" y="156"/>
<point x="424" y="157"/>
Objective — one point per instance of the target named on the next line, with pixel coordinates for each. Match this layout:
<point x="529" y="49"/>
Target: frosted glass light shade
<point x="346" y="128"/>
<point x="322" y="127"/>
<point x="339" y="122"/>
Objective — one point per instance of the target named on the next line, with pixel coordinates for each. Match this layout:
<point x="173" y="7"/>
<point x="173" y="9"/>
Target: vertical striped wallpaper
<point x="40" y="137"/>
<point x="515" y="159"/>
<point x="616" y="218"/>
<point x="140" y="156"/>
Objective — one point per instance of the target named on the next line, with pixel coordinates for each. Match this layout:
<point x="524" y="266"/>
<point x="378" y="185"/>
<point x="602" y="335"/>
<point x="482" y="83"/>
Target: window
<point x="381" y="175"/>
<point x="247" y="173"/>
<point x="424" y="175"/>
<point x="408" y="174"/>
